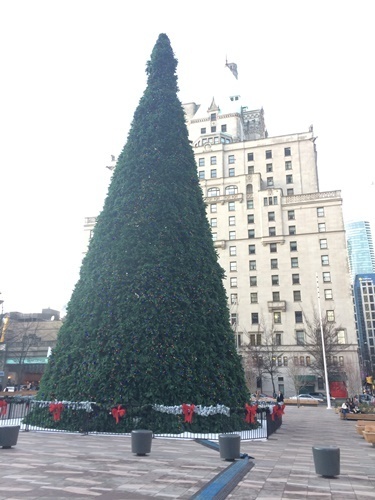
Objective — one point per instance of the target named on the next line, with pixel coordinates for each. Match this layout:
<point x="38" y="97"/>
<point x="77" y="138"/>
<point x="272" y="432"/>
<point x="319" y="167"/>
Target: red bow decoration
<point x="277" y="411"/>
<point x="251" y="411"/>
<point x="56" y="410"/>
<point x="188" y="411"/>
<point x="3" y="407"/>
<point x="118" y="412"/>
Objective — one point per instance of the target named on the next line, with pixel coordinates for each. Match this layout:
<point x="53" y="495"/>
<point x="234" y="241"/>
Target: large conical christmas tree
<point x="148" y="320"/>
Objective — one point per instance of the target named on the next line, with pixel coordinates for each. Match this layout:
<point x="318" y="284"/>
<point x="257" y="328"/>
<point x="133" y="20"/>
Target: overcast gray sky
<point x="72" y="75"/>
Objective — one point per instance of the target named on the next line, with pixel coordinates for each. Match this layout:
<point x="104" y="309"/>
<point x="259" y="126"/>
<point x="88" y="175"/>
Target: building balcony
<point x="280" y="305"/>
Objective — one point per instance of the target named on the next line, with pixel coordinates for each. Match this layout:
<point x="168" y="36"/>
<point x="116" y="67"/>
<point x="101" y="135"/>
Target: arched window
<point x="213" y="192"/>
<point x="231" y="190"/>
<point x="249" y="189"/>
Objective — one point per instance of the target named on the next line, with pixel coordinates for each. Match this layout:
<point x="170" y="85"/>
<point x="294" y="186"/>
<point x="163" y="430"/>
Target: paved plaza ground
<point x="66" y="466"/>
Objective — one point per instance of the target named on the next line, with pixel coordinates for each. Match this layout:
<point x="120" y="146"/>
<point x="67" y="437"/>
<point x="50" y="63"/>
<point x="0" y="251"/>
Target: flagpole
<point x="323" y="347"/>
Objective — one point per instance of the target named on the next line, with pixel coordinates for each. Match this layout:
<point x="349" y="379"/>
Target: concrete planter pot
<point x="327" y="460"/>
<point x="229" y="445"/>
<point x="141" y="441"/>
<point x="9" y="436"/>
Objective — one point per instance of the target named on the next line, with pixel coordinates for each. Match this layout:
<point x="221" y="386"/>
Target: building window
<point x="295" y="279"/>
<point x="233" y="266"/>
<point x="270" y="200"/>
<point x="271" y="231"/>
<point x="250" y="169"/>
<point x="293" y="246"/>
<point x="275" y="296"/>
<point x="214" y="236"/>
<point x="233" y="282"/>
<point x="252" y="265"/>
<point x="231" y="172"/>
<point x="213" y="129"/>
<point x="328" y="294"/>
<point x="300" y="337"/>
<point x="279" y="361"/>
<point x="223" y="128"/>
<point x="251" y="249"/>
<point x="274" y="264"/>
<point x="254" y="298"/>
<point x="233" y="319"/>
<point x="233" y="298"/>
<point x="231" y="206"/>
<point x="287" y="152"/>
<point x="213" y="192"/>
<point x="201" y="174"/>
<point x="291" y="215"/>
<point x="277" y="317"/>
<point x="341" y="360"/>
<point x="290" y="192"/>
<point x="269" y="167"/>
<point x="253" y="281"/>
<point x="213" y="208"/>
<point x="330" y="316"/>
<point x="294" y="262"/>
<point x="341" y="337"/>
<point x="271" y="216"/>
<point x="213" y="160"/>
<point x="325" y="260"/>
<point x="269" y="181"/>
<point x="254" y="318"/>
<point x="232" y="235"/>
<point x="250" y="218"/>
<point x="289" y="179"/>
<point x="213" y="222"/>
<point x="231" y="159"/>
<point x="273" y="247"/>
<point x="327" y="277"/>
<point x="250" y="204"/>
<point x="292" y="229"/>
<point x="275" y="279"/>
<point x="288" y="165"/>
<point x="232" y="251"/>
<point x="268" y="154"/>
<point x="278" y="337"/>
<point x="213" y="173"/>
<point x="257" y="340"/>
<point x="231" y="190"/>
<point x="308" y="361"/>
<point x="323" y="244"/>
<point x="298" y="316"/>
<point x="232" y="220"/>
<point x="201" y="162"/>
<point x="203" y="130"/>
<point x="285" y="360"/>
<point x="297" y="295"/>
<point x="213" y="117"/>
<point x="320" y="211"/>
<point x="302" y="360"/>
<point x="250" y="156"/>
<point x="322" y="227"/>
<point x="251" y="233"/>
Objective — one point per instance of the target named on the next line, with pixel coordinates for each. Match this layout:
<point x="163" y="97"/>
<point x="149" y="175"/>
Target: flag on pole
<point x="233" y="68"/>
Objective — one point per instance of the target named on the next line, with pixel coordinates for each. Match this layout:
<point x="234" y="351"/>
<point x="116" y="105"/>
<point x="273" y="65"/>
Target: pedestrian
<point x="345" y="409"/>
<point x="280" y="398"/>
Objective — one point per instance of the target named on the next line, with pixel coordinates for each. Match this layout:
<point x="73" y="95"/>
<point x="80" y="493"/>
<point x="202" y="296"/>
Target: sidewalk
<point x="66" y="466"/>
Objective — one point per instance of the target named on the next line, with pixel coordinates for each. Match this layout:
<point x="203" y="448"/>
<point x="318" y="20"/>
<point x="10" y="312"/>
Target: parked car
<point x="307" y="396"/>
<point x="10" y="388"/>
<point x="321" y="395"/>
<point x="262" y="397"/>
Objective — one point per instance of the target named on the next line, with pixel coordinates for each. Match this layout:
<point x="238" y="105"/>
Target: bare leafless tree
<point x="262" y="357"/>
<point x="332" y="346"/>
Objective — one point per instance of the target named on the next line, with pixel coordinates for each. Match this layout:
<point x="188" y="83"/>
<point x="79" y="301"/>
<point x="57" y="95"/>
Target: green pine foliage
<point x="148" y="321"/>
